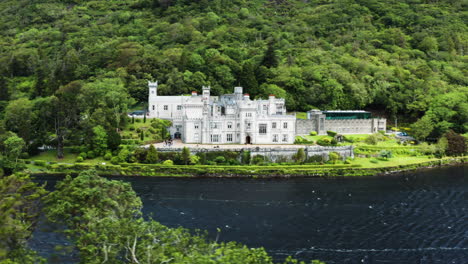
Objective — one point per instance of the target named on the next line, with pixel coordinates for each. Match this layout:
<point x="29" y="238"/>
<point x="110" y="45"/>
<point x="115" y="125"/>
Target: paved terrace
<point x="178" y="144"/>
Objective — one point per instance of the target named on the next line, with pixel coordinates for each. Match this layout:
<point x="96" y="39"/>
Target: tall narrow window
<point x="179" y="107"/>
<point x="229" y="125"/>
<point x="229" y="137"/>
<point x="285" y="138"/>
<point x="166" y="107"/>
<point x="285" y="125"/>
<point x="262" y="129"/>
<point x="275" y="138"/>
<point x="153" y="107"/>
<point x="273" y="125"/>
<point x="214" y="138"/>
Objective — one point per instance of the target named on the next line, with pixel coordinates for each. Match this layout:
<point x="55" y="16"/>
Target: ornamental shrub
<point x="220" y="160"/>
<point x="331" y="133"/>
<point x="108" y="156"/>
<point x="334" y="157"/>
<point x="168" y="163"/>
<point x="300" y="156"/>
<point x="313" y="133"/>
<point x="91" y="154"/>
<point x="40" y="163"/>
<point x="372" y="139"/>
<point x="314" y="159"/>
<point x="79" y="159"/>
<point x="385" y="154"/>
<point x="115" y="160"/>
<point x="298" y="140"/>
<point x="259" y="160"/>
<point x="324" y="142"/>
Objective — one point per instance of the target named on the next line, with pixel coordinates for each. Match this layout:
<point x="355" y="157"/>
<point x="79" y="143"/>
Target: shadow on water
<point x="419" y="217"/>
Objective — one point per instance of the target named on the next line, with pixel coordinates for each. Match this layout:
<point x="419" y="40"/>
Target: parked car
<point x="137" y="113"/>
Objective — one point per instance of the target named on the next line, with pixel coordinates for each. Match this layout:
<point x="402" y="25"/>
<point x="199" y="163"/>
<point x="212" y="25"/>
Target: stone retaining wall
<point x="278" y="154"/>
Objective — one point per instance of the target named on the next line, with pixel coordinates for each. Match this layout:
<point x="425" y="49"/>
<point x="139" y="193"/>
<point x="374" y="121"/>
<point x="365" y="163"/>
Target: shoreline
<point x="203" y="171"/>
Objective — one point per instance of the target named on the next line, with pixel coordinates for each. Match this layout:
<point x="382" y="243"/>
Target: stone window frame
<point x="285" y="138"/>
<point x="229" y="125"/>
<point x="166" y="107"/>
<point x="179" y="107"/>
<point x="273" y="125"/>
<point x="229" y="137"/>
<point x="285" y="125"/>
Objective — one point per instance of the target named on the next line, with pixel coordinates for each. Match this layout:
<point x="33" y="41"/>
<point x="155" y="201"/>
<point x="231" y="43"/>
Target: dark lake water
<point x="418" y="217"/>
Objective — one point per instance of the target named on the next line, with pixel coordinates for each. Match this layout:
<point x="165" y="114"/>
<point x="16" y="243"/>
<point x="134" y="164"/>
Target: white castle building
<point x="236" y="119"/>
<point x="230" y="118"/>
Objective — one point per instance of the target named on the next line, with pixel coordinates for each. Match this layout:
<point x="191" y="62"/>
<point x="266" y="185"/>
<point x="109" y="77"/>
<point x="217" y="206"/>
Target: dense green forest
<point x="400" y="58"/>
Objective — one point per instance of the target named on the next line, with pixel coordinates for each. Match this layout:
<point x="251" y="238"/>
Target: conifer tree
<point x="186" y="155"/>
<point x="152" y="156"/>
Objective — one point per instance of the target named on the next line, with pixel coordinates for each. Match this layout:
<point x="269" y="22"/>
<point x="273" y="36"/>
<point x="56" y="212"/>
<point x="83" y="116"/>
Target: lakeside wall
<point x="327" y="170"/>
<point x="278" y="154"/>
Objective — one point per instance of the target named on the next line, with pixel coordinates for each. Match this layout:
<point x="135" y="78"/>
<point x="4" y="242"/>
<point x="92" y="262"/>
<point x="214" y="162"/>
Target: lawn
<point x="133" y="130"/>
<point x="51" y="155"/>
<point x="300" y="115"/>
<point x="396" y="161"/>
<point x="69" y="157"/>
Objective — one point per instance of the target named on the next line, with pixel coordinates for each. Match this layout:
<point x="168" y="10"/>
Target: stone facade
<point x="319" y="122"/>
<point x="227" y="119"/>
<point x="279" y="154"/>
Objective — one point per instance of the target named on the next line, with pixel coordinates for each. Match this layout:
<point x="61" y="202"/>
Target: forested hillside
<point x="402" y="58"/>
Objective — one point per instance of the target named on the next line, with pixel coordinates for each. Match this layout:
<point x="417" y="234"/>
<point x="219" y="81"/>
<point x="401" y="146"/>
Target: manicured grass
<point x="139" y="125"/>
<point x="396" y="161"/>
<point x="300" y="115"/>
<point x="51" y="155"/>
<point x="315" y="138"/>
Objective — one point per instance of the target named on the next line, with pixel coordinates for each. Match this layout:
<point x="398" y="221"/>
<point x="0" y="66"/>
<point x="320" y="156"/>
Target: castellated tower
<point x="153" y="93"/>
<point x="206" y="113"/>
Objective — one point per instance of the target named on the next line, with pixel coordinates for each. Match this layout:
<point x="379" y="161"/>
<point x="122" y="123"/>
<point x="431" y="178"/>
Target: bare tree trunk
<point x="60" y="146"/>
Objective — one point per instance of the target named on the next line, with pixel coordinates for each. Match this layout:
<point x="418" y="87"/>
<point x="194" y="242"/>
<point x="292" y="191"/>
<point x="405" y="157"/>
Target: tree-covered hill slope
<point x="402" y="57"/>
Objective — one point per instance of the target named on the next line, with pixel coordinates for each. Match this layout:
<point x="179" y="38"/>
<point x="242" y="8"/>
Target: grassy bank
<point x="359" y="167"/>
